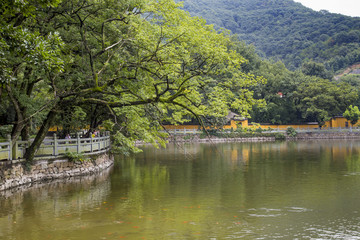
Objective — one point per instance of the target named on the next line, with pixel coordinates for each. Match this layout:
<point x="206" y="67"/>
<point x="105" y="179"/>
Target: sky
<point x="345" y="7"/>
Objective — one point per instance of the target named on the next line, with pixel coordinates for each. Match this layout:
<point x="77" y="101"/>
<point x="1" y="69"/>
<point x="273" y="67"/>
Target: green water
<point x="287" y="190"/>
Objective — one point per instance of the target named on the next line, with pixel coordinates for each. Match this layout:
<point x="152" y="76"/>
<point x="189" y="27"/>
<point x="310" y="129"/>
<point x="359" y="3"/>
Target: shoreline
<point x="195" y="138"/>
<point x="14" y="175"/>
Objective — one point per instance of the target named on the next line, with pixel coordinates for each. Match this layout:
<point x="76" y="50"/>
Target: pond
<point x="272" y="190"/>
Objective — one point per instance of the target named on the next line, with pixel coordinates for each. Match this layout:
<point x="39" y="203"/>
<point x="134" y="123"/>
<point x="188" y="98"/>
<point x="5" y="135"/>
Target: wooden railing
<point x="54" y="147"/>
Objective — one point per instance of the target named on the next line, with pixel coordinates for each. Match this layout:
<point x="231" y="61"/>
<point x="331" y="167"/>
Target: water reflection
<point x="285" y="190"/>
<point x="27" y="209"/>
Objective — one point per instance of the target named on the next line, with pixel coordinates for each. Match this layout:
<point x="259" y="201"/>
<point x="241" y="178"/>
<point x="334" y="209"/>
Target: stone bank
<point x="328" y="135"/>
<point x="15" y="174"/>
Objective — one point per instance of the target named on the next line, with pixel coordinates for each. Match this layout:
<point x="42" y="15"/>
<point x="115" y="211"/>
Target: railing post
<point x="78" y="147"/>
<point x="104" y="141"/>
<point x="56" y="151"/>
<point x="91" y="143"/>
<point x="99" y="143"/>
<point x="10" y="147"/>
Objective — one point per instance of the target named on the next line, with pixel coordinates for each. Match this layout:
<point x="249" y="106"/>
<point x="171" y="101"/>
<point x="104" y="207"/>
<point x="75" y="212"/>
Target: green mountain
<point x="286" y="30"/>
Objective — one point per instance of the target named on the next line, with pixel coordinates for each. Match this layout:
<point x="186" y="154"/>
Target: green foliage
<point x="75" y="157"/>
<point x="315" y="69"/>
<point x="318" y="99"/>
<point x="352" y="114"/>
<point x="278" y="93"/>
<point x="72" y="118"/>
<point x="188" y="137"/>
<point x="5" y="130"/>
<point x="291" y="132"/>
<point x="123" y="144"/>
<point x="279" y="136"/>
<point x="352" y="79"/>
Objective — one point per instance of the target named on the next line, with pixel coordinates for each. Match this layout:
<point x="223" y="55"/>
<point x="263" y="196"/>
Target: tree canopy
<point x="126" y="65"/>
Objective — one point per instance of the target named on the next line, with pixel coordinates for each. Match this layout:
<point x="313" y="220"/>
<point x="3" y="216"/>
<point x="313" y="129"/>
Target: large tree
<point x="319" y="99"/>
<point x="352" y="114"/>
<point x="131" y="65"/>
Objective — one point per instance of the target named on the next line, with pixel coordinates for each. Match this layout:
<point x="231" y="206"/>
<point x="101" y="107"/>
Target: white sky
<point x="345" y="7"/>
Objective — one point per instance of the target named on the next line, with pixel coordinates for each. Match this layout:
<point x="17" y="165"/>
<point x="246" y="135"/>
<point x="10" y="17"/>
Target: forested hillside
<point x="286" y="30"/>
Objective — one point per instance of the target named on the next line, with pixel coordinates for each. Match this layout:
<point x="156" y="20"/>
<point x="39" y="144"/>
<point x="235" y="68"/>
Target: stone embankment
<point x="301" y="135"/>
<point x="328" y="135"/>
<point x="16" y="174"/>
<point x="196" y="138"/>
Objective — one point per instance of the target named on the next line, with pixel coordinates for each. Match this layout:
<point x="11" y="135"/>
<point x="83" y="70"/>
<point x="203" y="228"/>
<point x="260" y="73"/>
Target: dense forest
<point x="285" y="30"/>
<point x="304" y="95"/>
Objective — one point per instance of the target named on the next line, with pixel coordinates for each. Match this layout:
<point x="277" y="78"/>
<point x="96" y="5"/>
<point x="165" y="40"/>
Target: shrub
<point x="240" y="129"/>
<point x="5" y="130"/>
<point x="291" y="132"/>
<point x="203" y="135"/>
<point x="188" y="137"/>
<point x="213" y="131"/>
<point x="73" y="156"/>
<point x="279" y="136"/>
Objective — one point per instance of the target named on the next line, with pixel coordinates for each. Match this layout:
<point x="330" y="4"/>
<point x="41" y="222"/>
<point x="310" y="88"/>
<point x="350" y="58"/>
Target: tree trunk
<point x="31" y="150"/>
<point x="25" y="133"/>
<point x="18" y="126"/>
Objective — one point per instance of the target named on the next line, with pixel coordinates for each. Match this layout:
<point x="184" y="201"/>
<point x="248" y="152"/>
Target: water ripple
<point x="352" y="174"/>
<point x="298" y="209"/>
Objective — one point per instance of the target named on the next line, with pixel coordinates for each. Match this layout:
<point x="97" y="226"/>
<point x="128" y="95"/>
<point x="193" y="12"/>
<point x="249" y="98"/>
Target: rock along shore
<point x="14" y="174"/>
<point x="328" y="135"/>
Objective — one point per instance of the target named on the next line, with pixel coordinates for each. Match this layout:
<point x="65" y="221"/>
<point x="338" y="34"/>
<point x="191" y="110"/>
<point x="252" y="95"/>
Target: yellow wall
<point x="245" y="123"/>
<point x="233" y="124"/>
<point x="339" y="122"/>
<point x="334" y="122"/>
